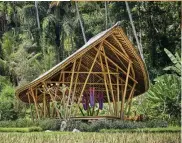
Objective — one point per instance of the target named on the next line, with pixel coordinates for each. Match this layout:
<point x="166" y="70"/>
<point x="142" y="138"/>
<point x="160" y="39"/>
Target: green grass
<point x="30" y="129"/>
<point x="69" y="137"/>
<point x="149" y="130"/>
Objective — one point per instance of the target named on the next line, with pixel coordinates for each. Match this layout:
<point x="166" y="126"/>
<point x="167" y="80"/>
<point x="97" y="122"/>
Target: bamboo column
<point x="35" y="102"/>
<point x="30" y="107"/>
<point x="110" y="82"/>
<point x="52" y="98"/>
<point x="70" y="88"/>
<point x="44" y="104"/>
<point x="117" y="94"/>
<point x="83" y="88"/>
<point x="130" y="99"/>
<point x="124" y="94"/>
<point x="107" y="91"/>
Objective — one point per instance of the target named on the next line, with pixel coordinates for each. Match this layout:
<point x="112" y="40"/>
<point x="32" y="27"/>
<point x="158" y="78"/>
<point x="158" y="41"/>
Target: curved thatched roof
<point x="112" y="37"/>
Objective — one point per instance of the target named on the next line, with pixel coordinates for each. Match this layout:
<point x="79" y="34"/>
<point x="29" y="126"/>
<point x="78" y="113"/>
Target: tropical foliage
<point x="34" y="36"/>
<point x="176" y="60"/>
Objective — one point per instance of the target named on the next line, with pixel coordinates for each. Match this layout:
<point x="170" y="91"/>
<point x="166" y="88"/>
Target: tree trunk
<point x="81" y="24"/>
<point x="37" y="15"/>
<point x="106" y="14"/>
<point x="134" y="30"/>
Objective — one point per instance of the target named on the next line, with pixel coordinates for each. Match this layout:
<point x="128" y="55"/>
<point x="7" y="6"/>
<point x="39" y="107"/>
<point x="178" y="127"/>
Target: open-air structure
<point x="106" y="72"/>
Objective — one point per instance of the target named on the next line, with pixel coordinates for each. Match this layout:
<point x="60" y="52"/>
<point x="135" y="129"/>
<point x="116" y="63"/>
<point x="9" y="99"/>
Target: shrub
<point x="7" y="110"/>
<point x="94" y="126"/>
<point x="31" y="129"/>
<point x="18" y="123"/>
<point x="100" y="124"/>
<point x="35" y="129"/>
<point x="156" y="124"/>
<point x="50" y="124"/>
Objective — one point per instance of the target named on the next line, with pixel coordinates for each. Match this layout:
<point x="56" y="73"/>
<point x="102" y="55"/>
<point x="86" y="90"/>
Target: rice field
<point x="68" y="137"/>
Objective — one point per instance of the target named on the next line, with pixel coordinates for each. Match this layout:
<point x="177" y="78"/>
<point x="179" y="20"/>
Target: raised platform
<point x="94" y="117"/>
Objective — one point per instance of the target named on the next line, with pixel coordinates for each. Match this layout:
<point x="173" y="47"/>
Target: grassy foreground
<point x="68" y="137"/>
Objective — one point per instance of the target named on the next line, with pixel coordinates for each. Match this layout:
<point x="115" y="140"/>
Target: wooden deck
<point x="94" y="117"/>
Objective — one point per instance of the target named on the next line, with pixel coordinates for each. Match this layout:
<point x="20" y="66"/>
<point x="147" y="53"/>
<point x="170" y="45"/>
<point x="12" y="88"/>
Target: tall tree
<point x="37" y="14"/>
<point x="81" y="23"/>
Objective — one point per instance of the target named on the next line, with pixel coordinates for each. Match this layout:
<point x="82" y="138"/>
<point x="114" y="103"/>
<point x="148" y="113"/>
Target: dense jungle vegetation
<point x="35" y="36"/>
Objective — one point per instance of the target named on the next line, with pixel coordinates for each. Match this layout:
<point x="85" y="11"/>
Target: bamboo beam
<point x="118" y="67"/>
<point x="107" y="92"/>
<point x="116" y="54"/>
<point x="110" y="82"/>
<point x="120" y="45"/>
<point x="111" y="68"/>
<point x="35" y="102"/>
<point x="115" y="49"/>
<point x="90" y="57"/>
<point x="89" y="83"/>
<point x="82" y="65"/>
<point x="83" y="88"/>
<point x="124" y="94"/>
<point x="132" y="70"/>
<point x="84" y="72"/>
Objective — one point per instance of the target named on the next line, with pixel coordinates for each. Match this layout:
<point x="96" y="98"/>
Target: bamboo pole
<point x="52" y="98"/>
<point x="35" y="102"/>
<point x="48" y="108"/>
<point x="120" y="45"/>
<point x="115" y="49"/>
<point x="44" y="103"/>
<point x="130" y="99"/>
<point x="83" y="88"/>
<point x="124" y="94"/>
<point x="30" y="107"/>
<point x="116" y="54"/>
<point x="117" y="94"/>
<point x="61" y="74"/>
<point x="118" y="67"/>
<point x="107" y="92"/>
<point x="70" y="88"/>
<point x="110" y="82"/>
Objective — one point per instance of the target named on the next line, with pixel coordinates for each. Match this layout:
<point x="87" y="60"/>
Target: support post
<point x="70" y="88"/>
<point x="30" y="107"/>
<point x="83" y="88"/>
<point x="107" y="92"/>
<point x="124" y="94"/>
<point x="35" y="101"/>
<point x="110" y="82"/>
<point x="117" y="93"/>
<point x="130" y="99"/>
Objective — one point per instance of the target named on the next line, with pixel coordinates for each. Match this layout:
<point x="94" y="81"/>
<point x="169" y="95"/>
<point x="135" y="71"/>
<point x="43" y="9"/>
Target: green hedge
<point x="169" y="129"/>
<point x="18" y="123"/>
<point x="95" y="126"/>
<point x="31" y="129"/>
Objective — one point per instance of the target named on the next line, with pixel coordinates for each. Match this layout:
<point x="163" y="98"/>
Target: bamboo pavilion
<point x="106" y="71"/>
